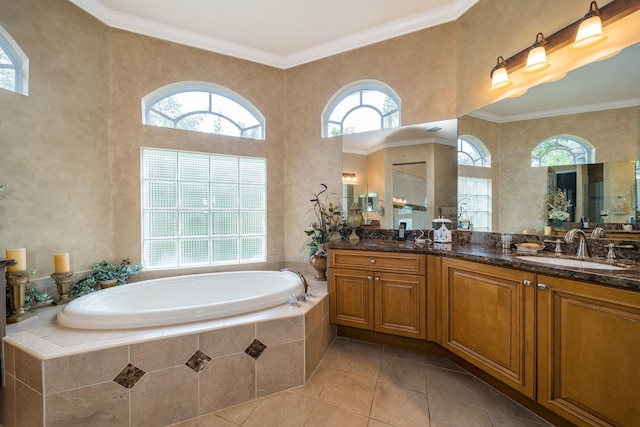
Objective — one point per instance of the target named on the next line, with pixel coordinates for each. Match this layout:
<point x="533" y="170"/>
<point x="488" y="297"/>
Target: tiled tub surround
<point x="158" y="376"/>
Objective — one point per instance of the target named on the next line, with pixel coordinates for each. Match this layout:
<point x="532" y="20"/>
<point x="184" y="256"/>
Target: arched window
<point x="360" y="107"/>
<point x="472" y="152"/>
<point x="203" y="107"/>
<point x="14" y="65"/>
<point x="563" y="150"/>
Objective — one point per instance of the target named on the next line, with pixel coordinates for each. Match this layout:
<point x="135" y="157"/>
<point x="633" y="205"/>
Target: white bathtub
<point x="180" y="299"/>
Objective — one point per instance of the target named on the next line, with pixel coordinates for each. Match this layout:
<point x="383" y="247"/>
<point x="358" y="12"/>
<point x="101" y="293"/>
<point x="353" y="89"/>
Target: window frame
<point x="483" y="154"/>
<point x="151" y="99"/>
<point x="179" y="211"/>
<point x="586" y="155"/>
<point x="19" y="63"/>
<point x="359" y="87"/>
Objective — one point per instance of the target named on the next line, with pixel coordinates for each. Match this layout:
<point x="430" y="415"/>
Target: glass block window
<point x="201" y="209"/>
<point x="360" y="107"/>
<point x="203" y="107"/>
<point x="14" y="65"/>
<point x="563" y="150"/>
<point x="474" y="202"/>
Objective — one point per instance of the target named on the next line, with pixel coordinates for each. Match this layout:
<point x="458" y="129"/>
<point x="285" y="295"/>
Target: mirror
<point x="599" y="192"/>
<point x="410" y="202"/>
<point x="368" y="202"/>
<point x="387" y="163"/>
<point x="597" y="103"/>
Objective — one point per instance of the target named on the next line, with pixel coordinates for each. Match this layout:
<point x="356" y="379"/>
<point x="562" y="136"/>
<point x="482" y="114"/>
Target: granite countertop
<point x="628" y="278"/>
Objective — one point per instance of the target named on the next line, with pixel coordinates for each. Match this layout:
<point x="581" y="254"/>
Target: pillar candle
<point x="20" y="255"/>
<point x="61" y="263"/>
<point x="547" y="230"/>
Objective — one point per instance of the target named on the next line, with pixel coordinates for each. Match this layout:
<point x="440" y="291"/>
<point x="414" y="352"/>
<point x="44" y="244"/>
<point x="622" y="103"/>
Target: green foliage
<point x="83" y="286"/>
<point x="102" y="271"/>
<point x="31" y="296"/>
<point x="34" y="296"/>
<point x="170" y="108"/>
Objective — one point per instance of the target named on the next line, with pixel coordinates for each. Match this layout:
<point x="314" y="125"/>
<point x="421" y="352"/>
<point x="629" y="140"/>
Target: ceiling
<point x="279" y="33"/>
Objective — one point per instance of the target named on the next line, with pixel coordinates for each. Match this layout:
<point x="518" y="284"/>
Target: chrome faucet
<point x="598" y="233"/>
<point x="307" y="292"/>
<point x="583" y="248"/>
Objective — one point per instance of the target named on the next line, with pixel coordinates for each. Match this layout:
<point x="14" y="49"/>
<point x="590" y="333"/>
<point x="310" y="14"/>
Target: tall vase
<point x="320" y="265"/>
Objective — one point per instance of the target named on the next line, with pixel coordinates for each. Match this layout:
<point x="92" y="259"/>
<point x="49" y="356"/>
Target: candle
<point x="61" y="263"/>
<point x="20" y="255"/>
<point x="547" y="230"/>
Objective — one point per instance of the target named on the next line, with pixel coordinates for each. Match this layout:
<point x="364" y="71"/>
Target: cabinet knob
<point x="369" y="277"/>
<point x="542" y="286"/>
<point x="373" y="261"/>
<point x="526" y="282"/>
<point x="377" y="279"/>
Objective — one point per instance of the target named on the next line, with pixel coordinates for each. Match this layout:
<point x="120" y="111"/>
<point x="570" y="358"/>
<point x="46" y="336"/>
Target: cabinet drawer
<point x="379" y="261"/>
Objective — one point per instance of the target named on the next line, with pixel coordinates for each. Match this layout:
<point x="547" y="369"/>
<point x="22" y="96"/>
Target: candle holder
<point x="17" y="282"/>
<point x="64" y="283"/>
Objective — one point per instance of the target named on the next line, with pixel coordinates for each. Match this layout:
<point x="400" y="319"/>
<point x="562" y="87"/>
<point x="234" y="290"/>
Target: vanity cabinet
<point x="588" y="350"/>
<point x="379" y="291"/>
<point x="488" y="319"/>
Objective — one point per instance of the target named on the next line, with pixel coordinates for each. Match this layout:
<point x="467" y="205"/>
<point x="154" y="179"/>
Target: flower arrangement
<point x="558" y="205"/>
<point x="327" y="224"/>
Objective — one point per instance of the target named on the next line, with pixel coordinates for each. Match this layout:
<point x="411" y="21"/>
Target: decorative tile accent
<point x="198" y="361"/>
<point x="129" y="376"/>
<point x="255" y="349"/>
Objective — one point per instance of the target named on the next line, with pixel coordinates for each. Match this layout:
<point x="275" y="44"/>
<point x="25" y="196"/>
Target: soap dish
<point x="530" y="248"/>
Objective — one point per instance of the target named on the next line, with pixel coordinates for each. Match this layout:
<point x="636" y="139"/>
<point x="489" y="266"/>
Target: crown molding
<point x="590" y="108"/>
<point x="400" y="27"/>
<point x="123" y="21"/>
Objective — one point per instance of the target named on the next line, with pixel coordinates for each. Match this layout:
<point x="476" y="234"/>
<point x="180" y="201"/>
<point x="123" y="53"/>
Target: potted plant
<point x="112" y="274"/>
<point x="83" y="286"/>
<point x="327" y="225"/>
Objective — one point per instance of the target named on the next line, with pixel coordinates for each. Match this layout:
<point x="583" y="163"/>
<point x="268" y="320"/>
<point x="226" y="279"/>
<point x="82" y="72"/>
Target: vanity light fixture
<point x="607" y="15"/>
<point x="499" y="75"/>
<point x="349" y="178"/>
<point x="590" y="29"/>
<point x="537" y="58"/>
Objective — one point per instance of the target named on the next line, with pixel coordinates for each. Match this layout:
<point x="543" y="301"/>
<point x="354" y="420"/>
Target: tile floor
<point x="361" y="384"/>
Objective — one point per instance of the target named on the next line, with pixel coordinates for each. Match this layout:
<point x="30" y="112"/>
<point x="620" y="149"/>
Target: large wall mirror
<point x="405" y="174"/>
<point x="596" y="107"/>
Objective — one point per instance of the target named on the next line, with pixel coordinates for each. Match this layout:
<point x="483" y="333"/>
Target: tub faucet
<point x="306" y="293"/>
<point x="598" y="233"/>
<point x="583" y="248"/>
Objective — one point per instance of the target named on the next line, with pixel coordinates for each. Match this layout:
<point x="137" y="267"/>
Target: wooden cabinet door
<point x="351" y="301"/>
<point x="401" y="304"/>
<point x="588" y="352"/>
<point x="488" y="319"/>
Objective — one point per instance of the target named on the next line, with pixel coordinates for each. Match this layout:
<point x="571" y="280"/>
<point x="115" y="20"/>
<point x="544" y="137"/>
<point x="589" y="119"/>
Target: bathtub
<point x="181" y="299"/>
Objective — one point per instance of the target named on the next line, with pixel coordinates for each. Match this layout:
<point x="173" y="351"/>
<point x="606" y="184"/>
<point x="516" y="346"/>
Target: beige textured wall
<point x="419" y="67"/>
<point x="141" y="65"/>
<point x="54" y="142"/>
<point x="74" y="141"/>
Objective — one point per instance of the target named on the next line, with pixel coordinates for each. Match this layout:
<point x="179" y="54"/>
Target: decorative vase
<point x="354" y="221"/>
<point x="104" y="284"/>
<point x="320" y="265"/>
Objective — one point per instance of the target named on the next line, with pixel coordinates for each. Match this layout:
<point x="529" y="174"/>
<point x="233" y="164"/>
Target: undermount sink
<point x="567" y="262"/>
